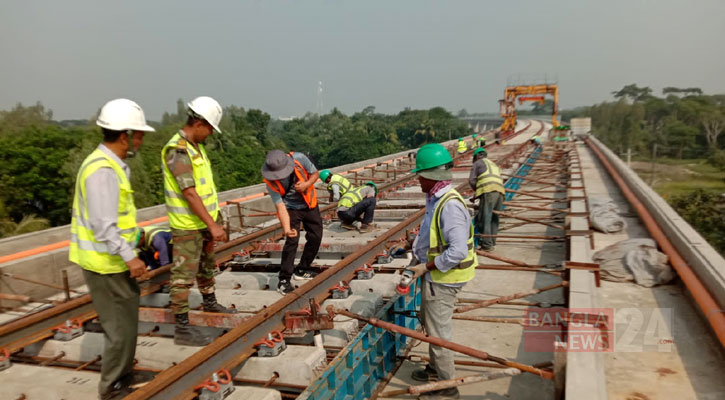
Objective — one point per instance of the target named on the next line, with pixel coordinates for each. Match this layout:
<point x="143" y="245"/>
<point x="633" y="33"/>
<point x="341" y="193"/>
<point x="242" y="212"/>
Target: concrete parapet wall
<point x="708" y="264"/>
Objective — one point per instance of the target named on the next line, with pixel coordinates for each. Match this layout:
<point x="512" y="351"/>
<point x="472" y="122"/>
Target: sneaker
<point x="347" y="226"/>
<point x="427" y="374"/>
<point x="284" y="287"/>
<point x="443" y="394"/>
<point x="303" y="275"/>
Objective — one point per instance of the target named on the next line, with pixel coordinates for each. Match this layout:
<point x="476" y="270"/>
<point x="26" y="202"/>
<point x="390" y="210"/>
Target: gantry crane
<point x="529" y="93"/>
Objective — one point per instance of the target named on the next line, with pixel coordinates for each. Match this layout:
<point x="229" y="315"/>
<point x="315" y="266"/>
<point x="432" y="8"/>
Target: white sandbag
<point x="604" y="215"/>
<point x="634" y="260"/>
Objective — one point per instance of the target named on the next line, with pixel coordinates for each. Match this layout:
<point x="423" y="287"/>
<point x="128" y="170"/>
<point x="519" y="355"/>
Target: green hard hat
<point x="324" y="174"/>
<point x="475" y="135"/>
<point x="480" y="150"/>
<point x="431" y="160"/>
<point x="460" y="139"/>
<point x="371" y="183"/>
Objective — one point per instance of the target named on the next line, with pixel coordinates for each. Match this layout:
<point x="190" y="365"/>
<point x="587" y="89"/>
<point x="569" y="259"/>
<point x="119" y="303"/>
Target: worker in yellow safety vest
<point x="337" y="184"/>
<point x="461" y="146"/>
<point x="103" y="239"/>
<point x="155" y="245"/>
<point x="485" y="179"/>
<point x="444" y="248"/>
<point x="358" y="204"/>
<point x="194" y="217"/>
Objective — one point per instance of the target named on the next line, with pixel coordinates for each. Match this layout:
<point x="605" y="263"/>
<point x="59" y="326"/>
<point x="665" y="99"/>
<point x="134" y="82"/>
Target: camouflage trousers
<point x="193" y="260"/>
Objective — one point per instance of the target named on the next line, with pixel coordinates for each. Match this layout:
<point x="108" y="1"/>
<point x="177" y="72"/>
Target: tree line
<point x="39" y="157"/>
<point x="682" y="123"/>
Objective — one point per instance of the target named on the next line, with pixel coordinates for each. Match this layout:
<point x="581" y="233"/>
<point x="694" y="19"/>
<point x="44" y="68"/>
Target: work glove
<point x="418" y="270"/>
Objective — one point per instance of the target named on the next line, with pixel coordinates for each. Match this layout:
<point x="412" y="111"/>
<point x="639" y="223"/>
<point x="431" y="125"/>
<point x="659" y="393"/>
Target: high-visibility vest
<point x="462" y="146"/>
<point x="341" y="182"/>
<point x="490" y="181"/>
<point x="309" y="195"/>
<point x="84" y="249"/>
<point x="352" y="197"/>
<point x="180" y="214"/>
<point x="481" y="142"/>
<point x="151" y="232"/>
<point x="466" y="270"/>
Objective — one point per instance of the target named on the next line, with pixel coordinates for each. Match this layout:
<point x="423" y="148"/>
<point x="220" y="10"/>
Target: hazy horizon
<point x="73" y="56"/>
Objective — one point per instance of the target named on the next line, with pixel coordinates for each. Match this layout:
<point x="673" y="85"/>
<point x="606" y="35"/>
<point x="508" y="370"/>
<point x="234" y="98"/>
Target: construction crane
<point x="533" y="93"/>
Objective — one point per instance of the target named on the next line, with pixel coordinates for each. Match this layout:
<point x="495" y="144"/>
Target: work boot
<point x="427" y="374"/>
<point x="187" y="335"/>
<point x="347" y="226"/>
<point x="210" y="305"/>
<point x="443" y="394"/>
<point x="365" y="228"/>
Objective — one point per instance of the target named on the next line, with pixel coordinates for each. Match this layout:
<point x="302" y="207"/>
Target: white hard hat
<point x="122" y="115"/>
<point x="207" y="108"/>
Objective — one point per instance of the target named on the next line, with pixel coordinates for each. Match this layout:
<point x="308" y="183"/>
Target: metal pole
<point x="469" y="351"/>
<point x="514" y="296"/>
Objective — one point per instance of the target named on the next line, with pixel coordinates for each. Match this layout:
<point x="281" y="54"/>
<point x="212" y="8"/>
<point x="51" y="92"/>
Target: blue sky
<point x="75" y="55"/>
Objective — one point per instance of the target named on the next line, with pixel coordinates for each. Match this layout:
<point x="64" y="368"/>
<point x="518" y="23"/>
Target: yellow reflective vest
<point x="151" y="232"/>
<point x="466" y="270"/>
<point x="340" y="181"/>
<point x="490" y="181"/>
<point x="462" y="146"/>
<point x="180" y="214"/>
<point x="84" y="249"/>
<point x="351" y="197"/>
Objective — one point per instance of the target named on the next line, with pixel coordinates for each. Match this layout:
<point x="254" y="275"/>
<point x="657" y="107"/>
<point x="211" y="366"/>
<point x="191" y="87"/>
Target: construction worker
<point x="485" y="179"/>
<point x="337" y="184"/>
<point x="444" y="246"/>
<point x="193" y="209"/>
<point x="461" y="146"/>
<point x="103" y="238"/>
<point x="155" y="244"/>
<point x="290" y="180"/>
<point x="358" y="204"/>
<point x="481" y="141"/>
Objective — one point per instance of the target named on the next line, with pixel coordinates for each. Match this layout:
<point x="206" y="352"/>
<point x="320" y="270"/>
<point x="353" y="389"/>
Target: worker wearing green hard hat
<point x="447" y="259"/>
<point x="485" y="179"/>
<point x="358" y="204"/>
<point x="337" y="185"/>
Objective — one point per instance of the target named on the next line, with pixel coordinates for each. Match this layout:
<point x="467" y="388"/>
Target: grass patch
<point x="674" y="177"/>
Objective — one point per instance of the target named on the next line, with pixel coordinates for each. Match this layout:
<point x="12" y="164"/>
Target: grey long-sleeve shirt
<point x="478" y="168"/>
<point x="455" y="226"/>
<point x="102" y="196"/>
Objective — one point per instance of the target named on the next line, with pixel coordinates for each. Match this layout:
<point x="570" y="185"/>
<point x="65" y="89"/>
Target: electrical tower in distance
<point x="319" y="106"/>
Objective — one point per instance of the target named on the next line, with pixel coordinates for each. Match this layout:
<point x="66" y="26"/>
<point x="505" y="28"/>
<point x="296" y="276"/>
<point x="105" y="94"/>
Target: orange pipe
<point x="713" y="312"/>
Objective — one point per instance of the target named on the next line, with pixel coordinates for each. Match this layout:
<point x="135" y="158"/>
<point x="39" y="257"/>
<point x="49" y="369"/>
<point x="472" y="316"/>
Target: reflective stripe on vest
<point x="351" y="198"/>
<point x="341" y="182"/>
<point x="84" y="249"/>
<point x="151" y="232"/>
<point x="466" y="270"/>
<point x="180" y="214"/>
<point x="309" y="195"/>
<point x="462" y="147"/>
<point x="490" y="181"/>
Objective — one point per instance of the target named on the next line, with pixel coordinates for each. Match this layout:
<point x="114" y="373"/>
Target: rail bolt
<point x="70" y="330"/>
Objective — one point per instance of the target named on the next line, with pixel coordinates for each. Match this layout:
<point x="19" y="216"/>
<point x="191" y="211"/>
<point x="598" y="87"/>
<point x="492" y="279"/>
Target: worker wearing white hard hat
<point x="194" y="215"/>
<point x="103" y="238"/>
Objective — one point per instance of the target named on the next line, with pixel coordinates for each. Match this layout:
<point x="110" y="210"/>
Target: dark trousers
<point x="115" y="298"/>
<point x="366" y="208"/>
<point x="312" y="222"/>
<point x="486" y="220"/>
